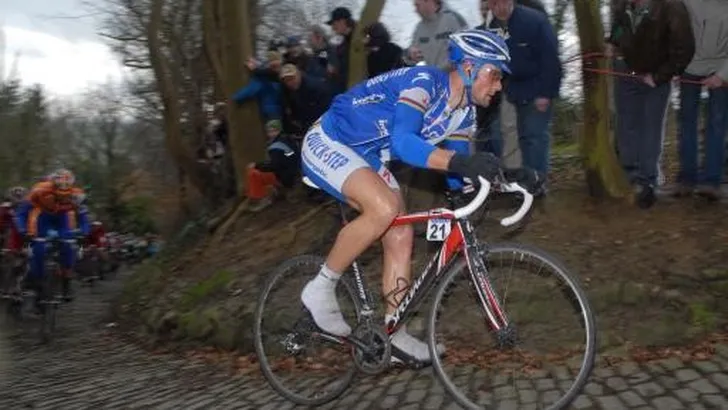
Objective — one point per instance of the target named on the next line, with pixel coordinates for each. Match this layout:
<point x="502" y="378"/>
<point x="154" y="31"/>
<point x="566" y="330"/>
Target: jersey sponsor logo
<point x="382" y="127"/>
<point x="386" y="76"/>
<point x="369" y="99"/>
<point x="328" y="156"/>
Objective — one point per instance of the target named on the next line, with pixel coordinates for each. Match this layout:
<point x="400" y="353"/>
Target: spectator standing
<point x="278" y="172"/>
<point x="653" y="41"/>
<point x="497" y="123"/>
<point x="535" y="77"/>
<point x="343" y="24"/>
<point x="709" y="67"/>
<point x="263" y="86"/>
<point x="307" y="97"/>
<point x="383" y="54"/>
<point x="431" y="35"/>
<point x="320" y="46"/>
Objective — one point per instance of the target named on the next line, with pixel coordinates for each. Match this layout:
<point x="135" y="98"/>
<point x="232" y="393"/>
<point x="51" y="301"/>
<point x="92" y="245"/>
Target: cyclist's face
<point x="486" y="85"/>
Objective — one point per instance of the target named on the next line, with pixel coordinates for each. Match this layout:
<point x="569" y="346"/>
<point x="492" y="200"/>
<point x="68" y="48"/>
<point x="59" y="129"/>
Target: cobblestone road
<point x="88" y="369"/>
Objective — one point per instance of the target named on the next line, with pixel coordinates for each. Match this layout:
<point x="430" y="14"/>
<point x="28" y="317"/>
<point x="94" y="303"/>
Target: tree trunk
<point x="169" y="95"/>
<point x="247" y="141"/>
<point x="357" y="52"/>
<point x="212" y="37"/>
<point x="604" y="175"/>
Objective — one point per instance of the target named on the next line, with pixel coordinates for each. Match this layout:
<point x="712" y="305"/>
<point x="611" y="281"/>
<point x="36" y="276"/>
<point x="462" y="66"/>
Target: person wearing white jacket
<point x="709" y="69"/>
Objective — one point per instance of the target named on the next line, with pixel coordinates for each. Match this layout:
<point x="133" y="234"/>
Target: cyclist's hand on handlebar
<point x="531" y="180"/>
<point x="482" y="164"/>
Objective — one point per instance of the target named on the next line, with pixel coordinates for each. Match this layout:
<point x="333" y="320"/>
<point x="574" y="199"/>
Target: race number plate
<point x="438" y="229"/>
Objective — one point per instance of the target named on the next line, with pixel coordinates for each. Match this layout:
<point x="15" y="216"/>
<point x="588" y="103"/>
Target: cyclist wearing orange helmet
<point x="52" y="205"/>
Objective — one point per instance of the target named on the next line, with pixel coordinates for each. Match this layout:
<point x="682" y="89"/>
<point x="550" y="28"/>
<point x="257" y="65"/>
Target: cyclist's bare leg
<point x="378" y="205"/>
<point x="397" y="245"/>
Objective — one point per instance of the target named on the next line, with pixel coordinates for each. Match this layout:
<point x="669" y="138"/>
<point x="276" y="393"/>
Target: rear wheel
<point x="550" y="336"/>
<point x="298" y="362"/>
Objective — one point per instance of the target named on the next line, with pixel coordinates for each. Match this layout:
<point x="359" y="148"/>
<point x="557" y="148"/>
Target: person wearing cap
<point x="343" y="24"/>
<point x="307" y="97"/>
<point x="264" y="86"/>
<point x="264" y="179"/>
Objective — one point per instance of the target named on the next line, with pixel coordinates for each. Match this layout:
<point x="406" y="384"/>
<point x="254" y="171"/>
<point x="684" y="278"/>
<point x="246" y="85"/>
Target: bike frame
<point x="461" y="241"/>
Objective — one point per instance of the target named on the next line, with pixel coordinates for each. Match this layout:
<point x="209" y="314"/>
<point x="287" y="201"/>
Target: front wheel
<point x="534" y="344"/>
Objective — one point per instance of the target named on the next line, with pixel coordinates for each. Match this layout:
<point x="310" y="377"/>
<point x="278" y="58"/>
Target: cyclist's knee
<point x="384" y="208"/>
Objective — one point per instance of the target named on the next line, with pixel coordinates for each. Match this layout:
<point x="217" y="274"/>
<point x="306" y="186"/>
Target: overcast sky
<point x="60" y="50"/>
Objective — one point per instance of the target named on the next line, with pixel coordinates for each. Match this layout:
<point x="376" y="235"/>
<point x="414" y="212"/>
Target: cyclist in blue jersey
<point x="406" y="112"/>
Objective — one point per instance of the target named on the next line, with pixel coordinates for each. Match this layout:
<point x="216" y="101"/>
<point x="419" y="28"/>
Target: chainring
<point x="379" y="350"/>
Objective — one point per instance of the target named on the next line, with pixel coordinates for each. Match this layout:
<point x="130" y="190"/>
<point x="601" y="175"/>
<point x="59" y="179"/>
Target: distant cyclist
<point x="408" y="112"/>
<point x="52" y="205"/>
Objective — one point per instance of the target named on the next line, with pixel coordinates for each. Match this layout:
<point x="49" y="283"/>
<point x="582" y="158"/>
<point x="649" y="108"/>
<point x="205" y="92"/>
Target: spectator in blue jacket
<point x="536" y="75"/>
<point x="265" y="87"/>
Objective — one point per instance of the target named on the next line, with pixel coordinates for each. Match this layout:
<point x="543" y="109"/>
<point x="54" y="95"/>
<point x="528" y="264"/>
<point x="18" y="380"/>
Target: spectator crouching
<point x="269" y="180"/>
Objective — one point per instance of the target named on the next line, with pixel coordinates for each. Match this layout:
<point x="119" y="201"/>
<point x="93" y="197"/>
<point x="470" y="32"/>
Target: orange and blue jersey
<point x="47" y="209"/>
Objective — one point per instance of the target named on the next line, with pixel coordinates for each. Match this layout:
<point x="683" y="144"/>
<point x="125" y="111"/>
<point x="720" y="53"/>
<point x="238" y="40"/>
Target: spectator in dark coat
<point x="653" y="41"/>
<point x="536" y="75"/>
<point x="266" y="179"/>
<point x="383" y="54"/>
<point x="489" y="137"/>
<point x="343" y="24"/>
<point x="307" y="97"/>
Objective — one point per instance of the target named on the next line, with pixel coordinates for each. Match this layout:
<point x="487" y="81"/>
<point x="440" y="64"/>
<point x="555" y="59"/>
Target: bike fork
<point x="490" y="302"/>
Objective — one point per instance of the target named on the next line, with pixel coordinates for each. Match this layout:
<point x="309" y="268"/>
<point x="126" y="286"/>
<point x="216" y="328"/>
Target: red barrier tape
<point x="591" y="56"/>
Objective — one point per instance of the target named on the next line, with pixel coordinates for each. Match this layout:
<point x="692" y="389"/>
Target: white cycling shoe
<point x="320" y="300"/>
<point x="407" y="349"/>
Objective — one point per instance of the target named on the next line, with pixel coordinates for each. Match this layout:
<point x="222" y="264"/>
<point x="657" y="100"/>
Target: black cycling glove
<point x="482" y="164"/>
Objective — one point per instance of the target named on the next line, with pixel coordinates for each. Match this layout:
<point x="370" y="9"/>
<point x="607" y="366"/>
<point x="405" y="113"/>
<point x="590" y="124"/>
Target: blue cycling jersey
<point x="364" y="117"/>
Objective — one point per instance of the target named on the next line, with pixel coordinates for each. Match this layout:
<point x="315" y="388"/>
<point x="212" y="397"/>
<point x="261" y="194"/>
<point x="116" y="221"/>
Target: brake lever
<point x="525" y="206"/>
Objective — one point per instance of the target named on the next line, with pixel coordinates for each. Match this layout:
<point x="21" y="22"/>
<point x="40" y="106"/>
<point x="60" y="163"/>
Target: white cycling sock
<point x="319" y="297"/>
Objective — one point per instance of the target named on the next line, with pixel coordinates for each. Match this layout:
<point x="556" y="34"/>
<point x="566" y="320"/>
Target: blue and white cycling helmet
<point x="480" y="47"/>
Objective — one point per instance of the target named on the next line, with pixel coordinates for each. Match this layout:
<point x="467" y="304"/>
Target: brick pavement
<point x="87" y="369"/>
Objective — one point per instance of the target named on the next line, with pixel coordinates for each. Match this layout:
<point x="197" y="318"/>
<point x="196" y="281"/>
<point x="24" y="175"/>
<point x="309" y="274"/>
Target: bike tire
<point x="565" y="275"/>
<point x="51" y="286"/>
<point x="265" y="366"/>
